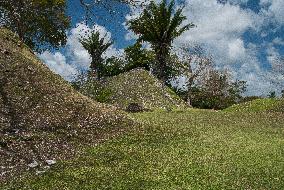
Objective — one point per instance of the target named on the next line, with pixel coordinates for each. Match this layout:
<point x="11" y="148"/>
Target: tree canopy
<point x="96" y="46"/>
<point x="160" y="24"/>
<point x="40" y="24"/>
<point x="136" y="57"/>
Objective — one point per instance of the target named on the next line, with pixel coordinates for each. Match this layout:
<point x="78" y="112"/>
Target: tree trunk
<point x="189" y="86"/>
<point x="162" y="52"/>
<point x="96" y="67"/>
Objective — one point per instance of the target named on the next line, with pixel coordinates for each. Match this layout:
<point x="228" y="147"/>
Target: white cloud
<point x="272" y="54"/>
<point x="220" y="29"/>
<point x="78" y="58"/>
<point x="278" y="41"/>
<point x="238" y="1"/>
<point x="273" y="9"/>
<point x="57" y="63"/>
<point x="219" y="26"/>
<point x="236" y="49"/>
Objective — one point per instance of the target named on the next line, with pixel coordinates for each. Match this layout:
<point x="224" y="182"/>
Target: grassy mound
<point x="139" y="86"/>
<point x="258" y="105"/>
<point x="42" y="116"/>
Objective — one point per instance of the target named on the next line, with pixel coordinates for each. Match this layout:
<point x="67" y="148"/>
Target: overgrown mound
<point x="259" y="105"/>
<point x="41" y="116"/>
<point x="140" y="87"/>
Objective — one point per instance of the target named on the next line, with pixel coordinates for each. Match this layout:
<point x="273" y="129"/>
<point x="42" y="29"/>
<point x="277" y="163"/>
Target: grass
<point x="193" y="149"/>
<point x="258" y="105"/>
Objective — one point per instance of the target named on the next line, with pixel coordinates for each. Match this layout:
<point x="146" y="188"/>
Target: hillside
<point x="139" y="86"/>
<point x="190" y="149"/>
<point x="259" y="105"/>
<point x="41" y="116"/>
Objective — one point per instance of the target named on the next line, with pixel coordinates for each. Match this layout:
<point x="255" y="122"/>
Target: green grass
<point x="193" y="149"/>
<point x="258" y="105"/>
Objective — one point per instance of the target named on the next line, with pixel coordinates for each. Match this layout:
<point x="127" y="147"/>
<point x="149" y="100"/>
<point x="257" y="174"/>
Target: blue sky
<point x="112" y="22"/>
<point x="244" y="36"/>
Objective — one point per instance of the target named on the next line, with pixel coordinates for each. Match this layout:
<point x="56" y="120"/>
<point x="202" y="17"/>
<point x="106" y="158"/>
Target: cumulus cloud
<point x="77" y="57"/>
<point x="236" y="2"/>
<point x="220" y="28"/>
<point x="57" y="63"/>
<point x="278" y="41"/>
<point x="236" y="49"/>
<point x="273" y="9"/>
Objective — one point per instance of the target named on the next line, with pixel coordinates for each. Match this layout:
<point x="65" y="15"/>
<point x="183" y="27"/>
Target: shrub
<point x="92" y="88"/>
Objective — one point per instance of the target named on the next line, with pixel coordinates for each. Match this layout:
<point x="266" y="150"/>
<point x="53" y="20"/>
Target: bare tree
<point x="278" y="65"/>
<point x="278" y="72"/>
<point x="194" y="63"/>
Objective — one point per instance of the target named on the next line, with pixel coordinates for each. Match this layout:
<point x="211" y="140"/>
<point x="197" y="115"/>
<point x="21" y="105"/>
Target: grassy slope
<point x="138" y="86"/>
<point x="194" y="149"/>
<point x="258" y="105"/>
<point x="47" y="113"/>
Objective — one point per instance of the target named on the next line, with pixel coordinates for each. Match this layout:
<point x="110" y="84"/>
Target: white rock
<point x="3" y="173"/>
<point x="33" y="164"/>
<point x="50" y="162"/>
<point x="46" y="167"/>
<point x="38" y="172"/>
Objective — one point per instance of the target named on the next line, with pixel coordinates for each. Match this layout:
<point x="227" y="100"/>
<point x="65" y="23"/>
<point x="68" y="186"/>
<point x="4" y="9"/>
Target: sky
<point x="243" y="36"/>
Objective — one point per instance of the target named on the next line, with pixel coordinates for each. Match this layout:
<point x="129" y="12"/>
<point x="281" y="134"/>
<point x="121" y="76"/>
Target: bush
<point x="214" y="91"/>
<point x="92" y="88"/>
<point x="96" y="91"/>
<point x="113" y="66"/>
<point x="204" y="100"/>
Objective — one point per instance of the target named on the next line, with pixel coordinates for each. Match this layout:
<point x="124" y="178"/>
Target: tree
<point x="272" y="94"/>
<point x="40" y="24"/>
<point x="136" y="57"/>
<point x="277" y="73"/>
<point x="194" y="62"/>
<point x="159" y="25"/>
<point x="113" y="66"/>
<point x="96" y="46"/>
<point x="216" y="90"/>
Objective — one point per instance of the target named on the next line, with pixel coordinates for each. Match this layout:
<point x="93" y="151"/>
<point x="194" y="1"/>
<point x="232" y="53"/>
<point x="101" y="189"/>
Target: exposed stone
<point x="50" y="162"/>
<point x="38" y="172"/>
<point x="33" y="164"/>
<point x="134" y="107"/>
